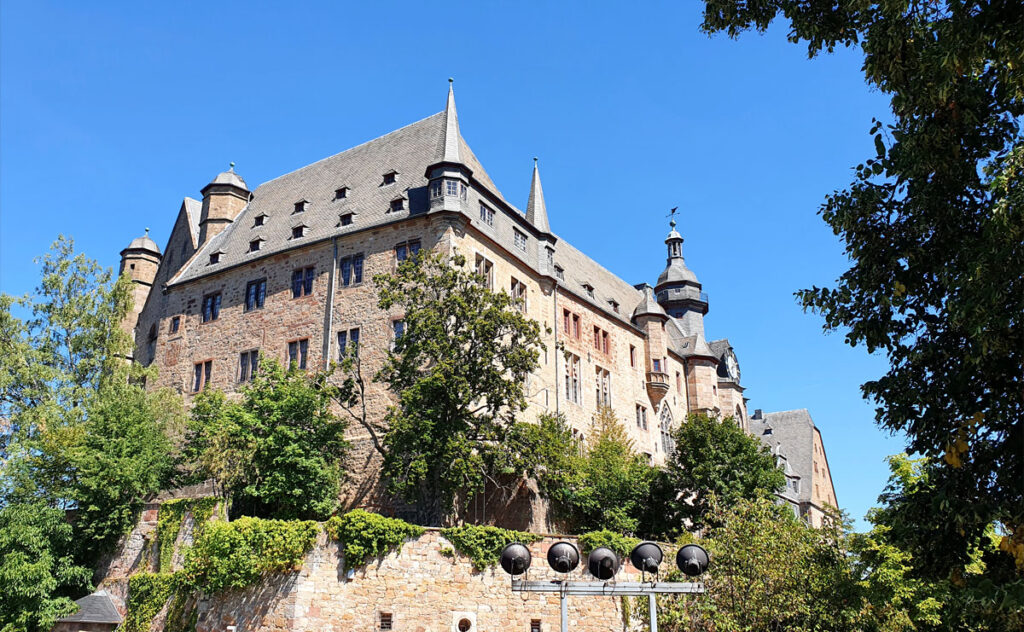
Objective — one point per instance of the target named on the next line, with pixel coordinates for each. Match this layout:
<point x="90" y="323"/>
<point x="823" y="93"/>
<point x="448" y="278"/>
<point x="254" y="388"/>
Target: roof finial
<point x="232" y="167"/>
<point x="147" y="232"/>
<point x="450" y="80"/>
<point x="672" y="215"/>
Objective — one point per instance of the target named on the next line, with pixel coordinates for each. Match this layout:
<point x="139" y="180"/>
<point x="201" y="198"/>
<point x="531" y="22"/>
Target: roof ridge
<point x="316" y="162"/>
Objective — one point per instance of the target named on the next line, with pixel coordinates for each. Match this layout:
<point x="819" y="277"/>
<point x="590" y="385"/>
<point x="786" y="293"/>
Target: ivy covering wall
<point x="171" y="516"/>
<point x="364" y="535"/>
<point x="482" y="544"/>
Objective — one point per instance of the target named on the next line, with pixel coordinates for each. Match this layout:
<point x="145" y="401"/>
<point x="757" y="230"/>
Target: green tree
<point x="458" y="371"/>
<point x="279" y="452"/>
<point x="716" y="462"/>
<point x="83" y="433"/>
<point x="770" y="571"/>
<point x="37" y="572"/>
<point x="602" y="484"/>
<point x="933" y="223"/>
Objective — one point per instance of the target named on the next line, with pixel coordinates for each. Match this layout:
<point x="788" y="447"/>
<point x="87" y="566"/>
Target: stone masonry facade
<point x="636" y="348"/>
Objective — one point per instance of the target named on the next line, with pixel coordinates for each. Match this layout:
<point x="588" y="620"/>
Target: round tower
<point x="223" y="200"/>
<point x="650" y="317"/>
<point x="678" y="290"/>
<point x="140" y="260"/>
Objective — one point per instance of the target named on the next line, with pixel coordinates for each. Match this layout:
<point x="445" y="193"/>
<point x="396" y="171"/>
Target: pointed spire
<point x="536" y="210"/>
<point x="449" y="146"/>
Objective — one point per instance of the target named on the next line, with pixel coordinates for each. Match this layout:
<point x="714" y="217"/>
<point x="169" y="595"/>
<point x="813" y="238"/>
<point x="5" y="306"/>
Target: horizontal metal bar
<point x="608" y="588"/>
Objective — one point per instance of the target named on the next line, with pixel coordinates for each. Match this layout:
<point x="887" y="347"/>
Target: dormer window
<point x="345" y="219"/>
<point x="259" y="220"/>
<point x="255" y="244"/>
<point x="519" y="239"/>
<point x="614" y="305"/>
<point x="300" y="206"/>
<point x="589" y="289"/>
<point x="451" y="188"/>
<point x="397" y="204"/>
<point x="341" y="193"/>
<point x="390" y="178"/>
<point x="215" y="257"/>
<point x="559" y="273"/>
<point x="298" y="231"/>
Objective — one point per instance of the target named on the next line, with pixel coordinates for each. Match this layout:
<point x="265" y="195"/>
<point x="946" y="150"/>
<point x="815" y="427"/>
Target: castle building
<point x="284" y="270"/>
<point x="797" y="445"/>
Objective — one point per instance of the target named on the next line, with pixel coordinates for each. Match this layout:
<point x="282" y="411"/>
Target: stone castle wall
<point x="421" y="588"/>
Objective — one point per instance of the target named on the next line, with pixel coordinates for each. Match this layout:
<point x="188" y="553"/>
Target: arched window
<point x="668" y="445"/>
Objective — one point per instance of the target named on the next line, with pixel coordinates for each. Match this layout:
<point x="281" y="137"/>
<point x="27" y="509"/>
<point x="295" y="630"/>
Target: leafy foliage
<point x="147" y="594"/>
<point x="169" y="519"/>
<point x="769" y="571"/>
<point x="458" y="372"/>
<point x="36" y="568"/>
<point x="237" y="554"/>
<point x="483" y="544"/>
<point x="279" y="451"/>
<point x="933" y="223"/>
<point x="366" y="535"/>
<point x="716" y="460"/>
<point x="602" y="484"/>
<point x="617" y="542"/>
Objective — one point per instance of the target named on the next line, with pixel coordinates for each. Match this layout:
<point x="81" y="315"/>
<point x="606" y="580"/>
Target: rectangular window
<point x="397" y="204"/>
<point x="201" y="379"/>
<point x="341" y="193"/>
<point x="485" y="268"/>
<point x="385" y="621"/>
<point x="211" y="307"/>
<point x="254" y="245"/>
<point x="248" y="362"/>
<point x="298" y="231"/>
<point x="597" y="337"/>
<point x="389" y="177"/>
<point x="519" y="294"/>
<point x="679" y="382"/>
<point x="535" y="625"/>
<point x="451" y="187"/>
<point x="572" y="378"/>
<point x="258" y="220"/>
<point x="550" y="255"/>
<point x="632" y="356"/>
<point x="302" y="282"/>
<point x="576" y="326"/>
<point x="602" y="387"/>
<point x="175" y="324"/>
<point x="657" y="365"/>
<point x="565" y="321"/>
<point x="352" y="270"/>
<point x="398" y="328"/>
<point x="348" y="342"/>
<point x="407" y="249"/>
<point x="486" y="215"/>
<point x="559" y="273"/>
<point x="300" y="206"/>
<point x="605" y="342"/>
<point x="255" y="294"/>
<point x="215" y="258"/>
<point x="641" y="417"/>
<point x="345" y="219"/>
<point x="298" y="351"/>
<point x="436" y="188"/>
<point x="519" y="239"/>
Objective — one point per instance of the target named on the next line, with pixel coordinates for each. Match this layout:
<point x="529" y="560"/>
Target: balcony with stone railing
<point x="657" y="386"/>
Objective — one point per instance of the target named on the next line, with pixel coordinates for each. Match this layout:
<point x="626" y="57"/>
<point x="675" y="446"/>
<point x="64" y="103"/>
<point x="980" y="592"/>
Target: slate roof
<point x="793" y="430"/>
<point x="684" y="343"/>
<point x="144" y="243"/>
<point x="94" y="608"/>
<point x="194" y="209"/>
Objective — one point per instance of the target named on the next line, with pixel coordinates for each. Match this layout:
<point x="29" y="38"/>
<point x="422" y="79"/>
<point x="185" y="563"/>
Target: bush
<point x="366" y="535"/>
<point x="483" y="545"/>
<point x="147" y="594"/>
<point x="621" y="544"/>
<point x="237" y="554"/>
<point x="170" y="517"/>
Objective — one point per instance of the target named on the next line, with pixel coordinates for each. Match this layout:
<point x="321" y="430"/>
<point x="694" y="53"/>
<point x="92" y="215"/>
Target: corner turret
<point x="223" y="200"/>
<point x="448" y="174"/>
<point x="140" y="260"/>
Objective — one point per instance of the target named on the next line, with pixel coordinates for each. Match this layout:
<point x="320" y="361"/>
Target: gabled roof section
<point x="536" y="209"/>
<point x="94" y="608"/>
<point x="193" y="210"/>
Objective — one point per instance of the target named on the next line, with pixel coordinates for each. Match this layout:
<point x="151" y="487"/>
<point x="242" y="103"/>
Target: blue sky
<point x="111" y="113"/>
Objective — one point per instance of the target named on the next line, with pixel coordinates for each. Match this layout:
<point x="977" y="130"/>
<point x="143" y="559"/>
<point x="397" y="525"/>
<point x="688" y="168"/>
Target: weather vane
<point x="672" y="214"/>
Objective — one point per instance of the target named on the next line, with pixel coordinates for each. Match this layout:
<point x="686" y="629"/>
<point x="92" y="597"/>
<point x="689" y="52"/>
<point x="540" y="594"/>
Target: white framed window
<point x="486" y="215"/>
<point x="519" y="239"/>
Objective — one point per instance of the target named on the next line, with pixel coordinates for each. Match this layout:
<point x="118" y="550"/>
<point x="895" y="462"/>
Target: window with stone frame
<point x="255" y="294"/>
<point x="576" y="326"/>
<point x="175" y="324"/>
<point x="519" y="294"/>
<point x="437" y="189"/>
<point x="632" y="356"/>
<point x="248" y="363"/>
<point x="451" y="188"/>
<point x="352" y="270"/>
<point x="572" y="378"/>
<point x="397" y="328"/>
<point x="535" y="625"/>
<point x="602" y="387"/>
<point x="202" y="373"/>
<point x="211" y="307"/>
<point x="485" y="268"/>
<point x="302" y="281"/>
<point x="298" y="353"/>
<point x="560" y="273"/>
<point x="348" y="342"/>
<point x="668" y="444"/>
<point x="641" y="416"/>
<point x="385" y="622"/>
<point x="407" y="249"/>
